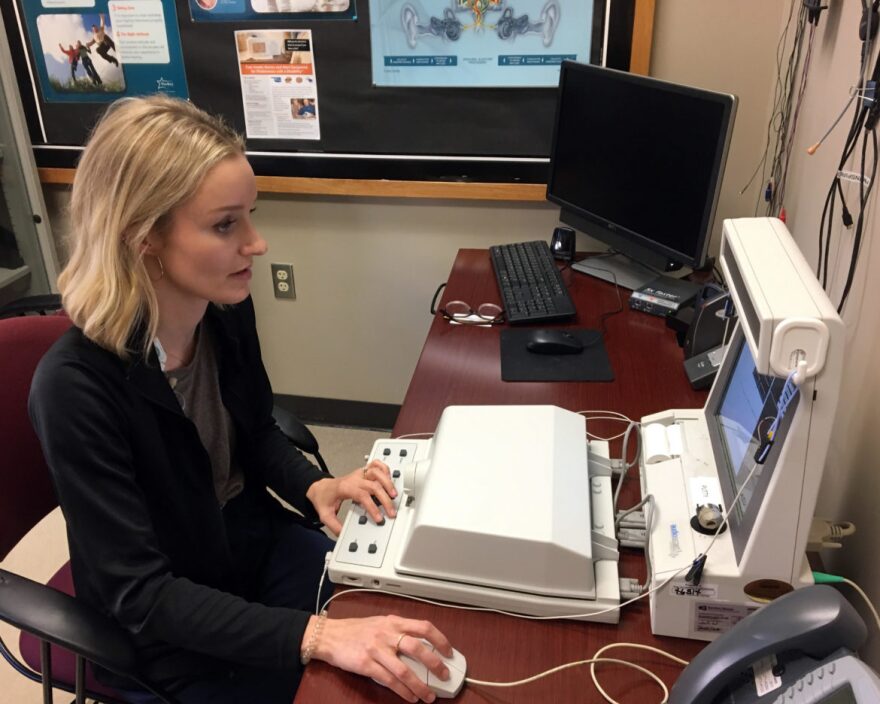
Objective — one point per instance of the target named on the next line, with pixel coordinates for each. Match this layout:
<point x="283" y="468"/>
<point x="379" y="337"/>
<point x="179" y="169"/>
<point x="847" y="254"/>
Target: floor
<point x="41" y="553"/>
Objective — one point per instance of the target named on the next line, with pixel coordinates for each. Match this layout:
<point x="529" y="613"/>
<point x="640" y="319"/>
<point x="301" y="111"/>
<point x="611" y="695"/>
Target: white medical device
<point x="699" y="460"/>
<point x="497" y="510"/>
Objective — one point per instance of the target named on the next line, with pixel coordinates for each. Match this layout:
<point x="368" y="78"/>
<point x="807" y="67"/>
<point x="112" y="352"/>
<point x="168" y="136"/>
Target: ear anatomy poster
<point x="101" y="50"/>
<point x="477" y="43"/>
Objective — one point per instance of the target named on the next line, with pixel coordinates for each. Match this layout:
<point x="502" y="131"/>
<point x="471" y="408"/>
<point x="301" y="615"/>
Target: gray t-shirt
<point x="197" y="388"/>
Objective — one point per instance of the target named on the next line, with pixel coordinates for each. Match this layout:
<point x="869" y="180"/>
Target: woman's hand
<point x="370" y="647"/>
<point x="361" y="486"/>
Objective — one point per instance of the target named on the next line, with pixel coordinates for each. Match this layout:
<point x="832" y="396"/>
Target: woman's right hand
<point x="370" y="647"/>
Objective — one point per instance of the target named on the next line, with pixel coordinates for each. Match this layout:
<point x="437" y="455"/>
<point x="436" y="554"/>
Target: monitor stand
<point x="617" y="268"/>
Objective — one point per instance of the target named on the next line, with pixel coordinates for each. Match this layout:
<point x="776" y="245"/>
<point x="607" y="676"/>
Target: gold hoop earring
<point x="161" y="269"/>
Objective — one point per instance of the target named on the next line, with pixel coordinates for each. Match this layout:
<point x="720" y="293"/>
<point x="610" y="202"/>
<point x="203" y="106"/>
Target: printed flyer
<point x="279" y="88"/>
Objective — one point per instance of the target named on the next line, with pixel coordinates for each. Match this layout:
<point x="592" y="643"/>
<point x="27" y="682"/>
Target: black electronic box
<point x="663" y="296"/>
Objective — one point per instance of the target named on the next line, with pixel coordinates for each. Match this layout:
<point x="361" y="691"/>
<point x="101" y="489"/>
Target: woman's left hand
<point x="361" y="486"/>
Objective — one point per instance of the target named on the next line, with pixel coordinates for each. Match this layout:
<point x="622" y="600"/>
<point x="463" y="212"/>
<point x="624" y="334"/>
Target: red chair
<point x="59" y="633"/>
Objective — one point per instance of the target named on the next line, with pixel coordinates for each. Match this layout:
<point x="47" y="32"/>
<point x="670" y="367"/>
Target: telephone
<point x="799" y="649"/>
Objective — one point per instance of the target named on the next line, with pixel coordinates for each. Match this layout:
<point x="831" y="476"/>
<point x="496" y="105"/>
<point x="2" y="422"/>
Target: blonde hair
<point x="145" y="157"/>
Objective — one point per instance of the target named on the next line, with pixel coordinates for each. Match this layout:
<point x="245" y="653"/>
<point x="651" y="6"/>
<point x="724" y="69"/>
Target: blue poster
<point x="101" y="50"/>
<point x="477" y="43"/>
<point x="244" y="10"/>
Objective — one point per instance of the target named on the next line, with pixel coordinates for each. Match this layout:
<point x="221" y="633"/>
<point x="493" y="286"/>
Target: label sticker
<point x="706" y="591"/>
<point x="705" y="490"/>
<point x="719" y="617"/>
<point x="765" y="680"/>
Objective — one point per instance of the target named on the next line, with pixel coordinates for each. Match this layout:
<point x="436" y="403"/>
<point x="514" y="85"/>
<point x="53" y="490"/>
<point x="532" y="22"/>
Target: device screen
<point x="844" y="695"/>
<point x="747" y="408"/>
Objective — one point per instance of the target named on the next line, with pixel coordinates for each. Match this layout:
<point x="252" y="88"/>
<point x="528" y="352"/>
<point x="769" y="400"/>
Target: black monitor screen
<point x="640" y="159"/>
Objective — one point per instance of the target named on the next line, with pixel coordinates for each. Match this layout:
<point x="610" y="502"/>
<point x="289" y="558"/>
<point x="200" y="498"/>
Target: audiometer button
<point x="403" y="453"/>
<point x="372" y="548"/>
<point x="395" y="474"/>
<point x="362" y="520"/>
<point x="353" y="546"/>
<point x="386" y="451"/>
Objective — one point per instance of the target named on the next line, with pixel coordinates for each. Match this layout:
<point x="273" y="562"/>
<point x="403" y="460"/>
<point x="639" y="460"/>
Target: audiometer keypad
<point x="359" y="528"/>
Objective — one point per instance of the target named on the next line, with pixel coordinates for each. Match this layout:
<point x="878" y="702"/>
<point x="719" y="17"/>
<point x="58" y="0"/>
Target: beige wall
<point x="852" y="482"/>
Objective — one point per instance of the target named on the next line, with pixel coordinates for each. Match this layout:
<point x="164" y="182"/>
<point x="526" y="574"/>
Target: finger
<point x="416" y="649"/>
<point x="404" y="675"/>
<point x="364" y="499"/>
<point x="330" y="520"/>
<point x="381" y="495"/>
<point x="384" y="677"/>
<point x="381" y="466"/>
<point x="380" y="472"/>
<point x="428" y="631"/>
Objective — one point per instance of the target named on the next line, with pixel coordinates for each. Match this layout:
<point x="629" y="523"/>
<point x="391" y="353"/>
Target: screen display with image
<point x="844" y="695"/>
<point x="745" y="412"/>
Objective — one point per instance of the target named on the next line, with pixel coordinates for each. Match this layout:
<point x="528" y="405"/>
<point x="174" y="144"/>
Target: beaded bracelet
<point x="309" y="650"/>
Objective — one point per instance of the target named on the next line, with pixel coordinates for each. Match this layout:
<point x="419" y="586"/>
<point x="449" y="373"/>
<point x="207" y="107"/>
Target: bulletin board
<point x="499" y="135"/>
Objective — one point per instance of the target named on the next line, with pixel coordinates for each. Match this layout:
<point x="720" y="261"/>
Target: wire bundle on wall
<point x="787" y="100"/>
<point x="863" y="124"/>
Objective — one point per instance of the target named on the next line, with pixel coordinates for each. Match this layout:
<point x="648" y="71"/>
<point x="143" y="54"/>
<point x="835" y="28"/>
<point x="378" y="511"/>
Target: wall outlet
<point x="282" y="281"/>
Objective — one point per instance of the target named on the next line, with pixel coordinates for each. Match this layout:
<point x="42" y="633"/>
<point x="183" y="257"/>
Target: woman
<point x="154" y="414"/>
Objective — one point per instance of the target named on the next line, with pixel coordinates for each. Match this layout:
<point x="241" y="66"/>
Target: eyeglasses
<point x="462" y="313"/>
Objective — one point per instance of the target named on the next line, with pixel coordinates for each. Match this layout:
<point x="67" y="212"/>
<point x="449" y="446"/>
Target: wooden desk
<point x="461" y="365"/>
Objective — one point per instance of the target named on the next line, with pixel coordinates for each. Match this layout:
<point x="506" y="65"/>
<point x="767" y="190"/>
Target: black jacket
<point x="149" y="543"/>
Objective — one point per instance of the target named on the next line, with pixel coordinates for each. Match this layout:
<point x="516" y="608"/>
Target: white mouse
<point x="444" y="689"/>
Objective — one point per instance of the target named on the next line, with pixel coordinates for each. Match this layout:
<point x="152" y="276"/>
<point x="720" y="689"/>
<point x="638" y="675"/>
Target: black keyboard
<point x="531" y="286"/>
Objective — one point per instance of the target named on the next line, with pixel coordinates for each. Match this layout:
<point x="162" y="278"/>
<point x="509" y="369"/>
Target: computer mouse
<point x="444" y="689"/>
<point x="553" y="342"/>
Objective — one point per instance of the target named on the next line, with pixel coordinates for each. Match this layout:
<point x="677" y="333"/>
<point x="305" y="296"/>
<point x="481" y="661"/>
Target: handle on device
<point x="814" y="620"/>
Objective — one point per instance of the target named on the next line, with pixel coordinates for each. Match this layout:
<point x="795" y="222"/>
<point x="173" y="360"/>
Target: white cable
<point x="597" y="657"/>
<point x="527" y="617"/>
<point x="623" y="514"/>
<point x="413" y="435"/>
<point x="327" y="559"/>
<point x="626" y="436"/>
<point x="731" y="508"/>
<point x="591" y="662"/>
<point x="626" y="465"/>
<point x="865" y="597"/>
<point x="615" y="415"/>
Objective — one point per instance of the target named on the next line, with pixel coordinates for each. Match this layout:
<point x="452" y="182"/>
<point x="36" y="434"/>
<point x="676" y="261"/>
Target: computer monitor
<point x="637" y="164"/>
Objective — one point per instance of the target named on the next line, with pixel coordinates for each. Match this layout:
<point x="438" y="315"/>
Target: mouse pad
<point x="518" y="364"/>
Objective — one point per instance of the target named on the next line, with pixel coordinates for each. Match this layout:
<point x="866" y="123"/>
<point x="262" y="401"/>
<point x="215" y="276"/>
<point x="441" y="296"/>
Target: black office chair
<point x="59" y="633"/>
<point x="297" y="432"/>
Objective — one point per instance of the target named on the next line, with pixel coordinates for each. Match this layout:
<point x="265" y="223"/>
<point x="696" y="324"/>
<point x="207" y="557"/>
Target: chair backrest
<point x="26" y="493"/>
